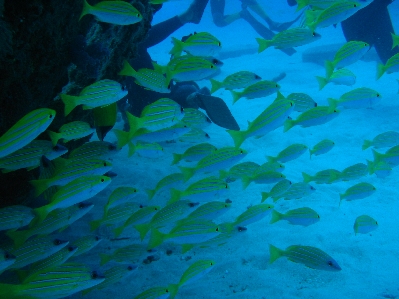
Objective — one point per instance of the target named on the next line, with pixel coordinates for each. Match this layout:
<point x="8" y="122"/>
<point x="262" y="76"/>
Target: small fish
<point x="195" y="118"/>
<point x="221" y="159"/>
<point x="290" y="38"/>
<point x="313" y="117"/>
<point x="296" y="191"/>
<point x="259" y="89"/>
<point x="34" y="250"/>
<point x="365" y="224"/>
<point x="194" y="153"/>
<point x="386" y="139"/>
<point x="322" y="147"/>
<point x="289" y="153"/>
<point x="269" y="166"/>
<point x="253" y="214"/>
<point x="30" y="155"/>
<point x="241" y="79"/>
<point x="197" y="44"/>
<point x="196" y="271"/>
<point x="142" y="215"/>
<point x="119" y="196"/>
<point x="277" y="190"/>
<point x="130" y="253"/>
<point x="301" y="216"/>
<point x="333" y="14"/>
<point x="339" y="77"/>
<point x="311" y="257"/>
<point x="391" y="156"/>
<point x="113" y="12"/>
<point x="238" y="171"/>
<point x="209" y="211"/>
<point x="202" y="190"/>
<point x="14" y="217"/>
<point x="6" y="260"/>
<point x="98" y="94"/>
<point x="55" y="220"/>
<point x="381" y="169"/>
<point x="194" y="136"/>
<point x="192" y="68"/>
<point x="73" y="193"/>
<point x="25" y="130"/>
<point x="93" y="150"/>
<point x="349" y="53"/>
<point x="158" y="293"/>
<point x="147" y="78"/>
<point x="191" y="231"/>
<point x="327" y="176"/>
<point x="358" y="98"/>
<point x="71" y="131"/>
<point x="302" y="101"/>
<point x="269" y="120"/>
<point x="146" y="150"/>
<point x="85" y="243"/>
<point x="358" y="191"/>
<point x="316" y="4"/>
<point x="354" y="172"/>
<point x="171" y="181"/>
<point x="395" y="40"/>
<point x="116" y="215"/>
<point x="391" y="66"/>
<point x="268" y="177"/>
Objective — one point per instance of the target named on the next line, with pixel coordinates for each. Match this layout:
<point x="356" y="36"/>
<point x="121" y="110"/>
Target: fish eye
<point x="130" y="268"/>
<point x="291" y="104"/>
<point x="313" y="34"/>
<point x="70" y="248"/>
<point x="365" y="44"/>
<point x="315" y="104"/>
<point x="335" y="110"/>
<point x="167" y="291"/>
<point x="57" y="242"/>
<point x="181" y="109"/>
<point x="156" y="209"/>
<point x="105" y="163"/>
<point x="354" y="5"/>
<point x="102" y="180"/>
<point x="7" y="256"/>
<point x="330" y="263"/>
<point x="138" y="15"/>
<point x="220" y="44"/>
<point x="135" y="190"/>
<point x="81" y="205"/>
<point x="212" y="66"/>
<point x="124" y="87"/>
<point x="211" y="264"/>
<point x="241" y="152"/>
<point x="50" y="116"/>
<point x="97" y="238"/>
<point x="227" y="186"/>
<point x="378" y="95"/>
<point x="276" y="85"/>
<point x="207" y="136"/>
<point x="217" y="229"/>
<point x="269" y="207"/>
<point x="318" y="216"/>
<point x="94" y="275"/>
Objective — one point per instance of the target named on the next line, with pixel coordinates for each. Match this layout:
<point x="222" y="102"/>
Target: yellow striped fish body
<point x="202" y="190"/>
<point x="196" y="271"/>
<point x="98" y="94"/>
<point x="165" y="134"/>
<point x="290" y="38"/>
<point x="158" y="293"/>
<point x="253" y="214"/>
<point x="14" y="217"/>
<point x="365" y="224"/>
<point x="290" y="153"/>
<point x="386" y="139"/>
<point x="197" y="44"/>
<point x="269" y="166"/>
<point x="322" y="147"/>
<point x="195" y="118"/>
<point x="297" y="191"/>
<point x="241" y="79"/>
<point x="238" y="171"/>
<point x="340" y="77"/>
<point x="302" y="101"/>
<point x="210" y="210"/>
<point x="29" y="156"/>
<point x="192" y="68"/>
<point x="354" y="172"/>
<point x="93" y="150"/>
<point x="194" y="153"/>
<point x="71" y="131"/>
<point x="259" y="89"/>
<point x="326" y="176"/>
<point x="34" y="250"/>
<point x="119" y="196"/>
<point x="56" y="220"/>
<point x="146" y="149"/>
<point x="391" y="66"/>
<point x="334" y="14"/>
<point x="114" y="12"/>
<point x="25" y="130"/>
<point x="362" y="97"/>
<point x="267" y="177"/>
<point x="313" y="117"/>
<point x="194" y="136"/>
<point x="277" y="190"/>
<point x="85" y="243"/>
<point x="150" y="79"/>
<point x="132" y="252"/>
<point x="301" y="216"/>
<point x="381" y="169"/>
<point x="143" y="215"/>
<point x="171" y="181"/>
<point x="391" y="156"/>
<point x="311" y="257"/>
<point x="358" y="191"/>
<point x="317" y="4"/>
<point x="116" y="215"/>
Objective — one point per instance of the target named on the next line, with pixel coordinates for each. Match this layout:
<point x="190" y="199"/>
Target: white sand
<point x="370" y="262"/>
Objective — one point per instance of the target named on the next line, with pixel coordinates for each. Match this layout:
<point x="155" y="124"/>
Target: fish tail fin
<point x="178" y="46"/>
<point x="380" y="70"/>
<point x="95" y="224"/>
<point x="322" y="82"/>
<point x="341" y="198"/>
<point x="187" y="172"/>
<point x="275" y="253"/>
<point x="271" y="159"/>
<point x="263" y="44"/>
<point x="329" y="65"/>
<point x="377" y="156"/>
<point x="132" y="149"/>
<point x="86" y="9"/>
<point x="395" y="40"/>
<point x="127" y="70"/>
<point x="176" y="158"/>
<point x="301" y="4"/>
<point x="223" y="174"/>
<point x="142" y="229"/>
<point x="175" y="195"/>
<point x="265" y="195"/>
<point x="70" y="103"/>
<point x="366" y="144"/>
<point x="156" y="239"/>
<point x="41" y="214"/>
<point x="172" y="290"/>
<point x="135" y="123"/>
<point x="18" y="237"/>
<point x="310" y="154"/>
<point x="40" y="186"/>
<point x="158" y="68"/>
<point x="150" y="193"/>
<point x="54" y="137"/>
<point x="276" y="216"/>
<point x="246" y="180"/>
<point x="333" y="103"/>
<point x="288" y="124"/>
<point x="186" y="247"/>
<point x="236" y="96"/>
<point x="118" y="231"/>
<point x="216" y="85"/>
<point x="306" y="177"/>
<point x="238" y="137"/>
<point x="104" y="258"/>
<point x="370" y="167"/>
<point x="122" y="137"/>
